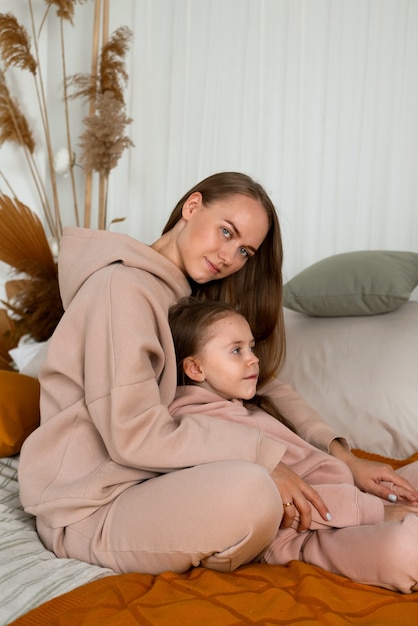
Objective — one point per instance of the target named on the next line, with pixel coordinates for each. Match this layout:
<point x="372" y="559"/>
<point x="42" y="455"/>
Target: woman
<point x="365" y="538"/>
<point x="109" y="475"/>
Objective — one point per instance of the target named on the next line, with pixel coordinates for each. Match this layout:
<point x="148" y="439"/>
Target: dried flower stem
<point x="33" y="167"/>
<point x="92" y="100"/>
<point x="40" y="188"/>
<point x="16" y="129"/>
<point x="104" y="176"/>
<point x="40" y="91"/>
<point x="67" y="121"/>
<point x="105" y="26"/>
<point x="103" y="183"/>
<point x="7" y="183"/>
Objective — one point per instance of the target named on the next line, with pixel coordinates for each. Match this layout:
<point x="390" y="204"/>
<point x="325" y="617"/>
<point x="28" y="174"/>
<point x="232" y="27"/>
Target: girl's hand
<point x="397" y="512"/>
<point x="381" y="480"/>
<point x="297" y="497"/>
<point x="377" y="478"/>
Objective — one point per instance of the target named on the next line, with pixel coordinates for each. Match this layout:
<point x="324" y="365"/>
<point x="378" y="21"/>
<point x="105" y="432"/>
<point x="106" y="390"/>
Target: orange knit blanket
<point x="254" y="594"/>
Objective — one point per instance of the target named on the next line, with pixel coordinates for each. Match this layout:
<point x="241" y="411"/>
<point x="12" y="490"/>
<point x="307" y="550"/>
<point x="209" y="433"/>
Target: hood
<point x="85" y="251"/>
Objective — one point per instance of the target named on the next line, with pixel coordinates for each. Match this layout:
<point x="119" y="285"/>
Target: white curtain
<point x="317" y="99"/>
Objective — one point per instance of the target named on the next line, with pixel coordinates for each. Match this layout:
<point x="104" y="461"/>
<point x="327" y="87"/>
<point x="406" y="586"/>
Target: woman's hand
<point x="377" y="478"/>
<point x="297" y="497"/>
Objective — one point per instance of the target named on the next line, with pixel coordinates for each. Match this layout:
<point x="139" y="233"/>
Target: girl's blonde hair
<point x="256" y="290"/>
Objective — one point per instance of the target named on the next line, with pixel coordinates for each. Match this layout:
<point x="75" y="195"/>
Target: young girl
<point x="110" y="477"/>
<point x="363" y="537"/>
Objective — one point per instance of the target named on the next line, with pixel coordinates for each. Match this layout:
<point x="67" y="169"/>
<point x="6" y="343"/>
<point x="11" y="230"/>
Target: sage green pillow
<point x="367" y="282"/>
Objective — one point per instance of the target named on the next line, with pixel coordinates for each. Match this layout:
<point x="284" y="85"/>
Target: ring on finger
<point x="286" y="504"/>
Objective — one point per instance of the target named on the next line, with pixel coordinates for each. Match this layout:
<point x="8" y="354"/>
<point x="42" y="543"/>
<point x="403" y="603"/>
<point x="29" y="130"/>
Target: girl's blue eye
<point x="244" y="252"/>
<point x="226" y="232"/>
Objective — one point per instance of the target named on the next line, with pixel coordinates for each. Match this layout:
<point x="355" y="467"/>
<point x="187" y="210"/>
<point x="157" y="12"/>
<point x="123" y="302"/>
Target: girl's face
<point x="227" y="364"/>
<point x="216" y="241"/>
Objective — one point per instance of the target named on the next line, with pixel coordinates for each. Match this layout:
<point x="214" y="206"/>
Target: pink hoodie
<point x="329" y="476"/>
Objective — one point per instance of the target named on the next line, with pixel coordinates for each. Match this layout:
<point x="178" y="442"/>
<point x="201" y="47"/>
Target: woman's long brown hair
<point x="255" y="290"/>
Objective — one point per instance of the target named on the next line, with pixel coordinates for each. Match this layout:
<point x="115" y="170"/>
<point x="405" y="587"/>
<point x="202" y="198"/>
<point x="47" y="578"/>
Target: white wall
<point x="317" y="99"/>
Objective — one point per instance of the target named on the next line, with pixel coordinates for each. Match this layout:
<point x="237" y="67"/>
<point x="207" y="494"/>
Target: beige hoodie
<point x="107" y="381"/>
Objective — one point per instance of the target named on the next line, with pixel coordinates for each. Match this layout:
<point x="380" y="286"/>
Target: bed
<point x="365" y="384"/>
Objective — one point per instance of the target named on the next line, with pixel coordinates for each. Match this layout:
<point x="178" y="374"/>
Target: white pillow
<point x="360" y="374"/>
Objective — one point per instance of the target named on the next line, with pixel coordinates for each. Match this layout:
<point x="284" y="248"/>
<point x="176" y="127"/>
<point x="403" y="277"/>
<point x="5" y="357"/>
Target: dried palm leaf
<point x="37" y="308"/>
<point x="13" y="124"/>
<point x="23" y="243"/>
<point x="35" y="301"/>
<point x="15" y="44"/>
<point x="14" y="287"/>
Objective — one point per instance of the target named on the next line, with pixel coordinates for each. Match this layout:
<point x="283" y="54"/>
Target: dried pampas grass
<point x="15" y="44"/>
<point x="104" y="140"/>
<point x="34" y="306"/>
<point x="13" y="124"/>
<point x="65" y="8"/>
<point x="113" y="75"/>
<point x="15" y="51"/>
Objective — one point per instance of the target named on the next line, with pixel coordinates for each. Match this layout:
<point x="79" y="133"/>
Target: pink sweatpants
<point x="383" y="554"/>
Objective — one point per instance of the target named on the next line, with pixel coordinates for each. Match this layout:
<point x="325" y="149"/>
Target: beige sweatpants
<point x="219" y="515"/>
<point x="222" y="515"/>
<point x="383" y="554"/>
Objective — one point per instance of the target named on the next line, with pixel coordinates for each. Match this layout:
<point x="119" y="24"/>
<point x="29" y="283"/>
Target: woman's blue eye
<point x="228" y="235"/>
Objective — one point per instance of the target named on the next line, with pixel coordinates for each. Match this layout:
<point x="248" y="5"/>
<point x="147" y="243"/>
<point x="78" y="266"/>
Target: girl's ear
<point x="192" y="369"/>
<point x="193" y="202"/>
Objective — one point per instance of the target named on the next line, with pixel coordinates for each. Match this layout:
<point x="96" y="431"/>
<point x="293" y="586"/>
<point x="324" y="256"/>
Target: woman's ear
<point x="192" y="369"/>
<point x="193" y="202"/>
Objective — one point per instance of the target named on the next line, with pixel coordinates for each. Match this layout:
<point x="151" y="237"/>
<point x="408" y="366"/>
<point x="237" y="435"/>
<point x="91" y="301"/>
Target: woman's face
<point x="215" y="241"/>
